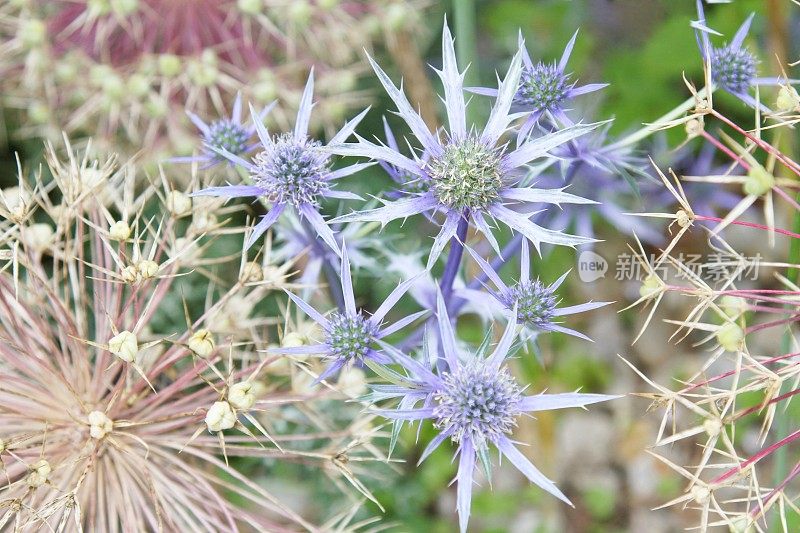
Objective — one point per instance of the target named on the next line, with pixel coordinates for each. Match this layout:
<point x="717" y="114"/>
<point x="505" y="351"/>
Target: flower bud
<point x="99" y="424"/>
<point x="730" y="336"/>
<point x="788" y="99"/>
<point x="651" y="286"/>
<point x="169" y="65"/>
<point x="39" y="236"/>
<point x="124" y="345"/>
<point x="251" y="7"/>
<point x="758" y="181"/>
<point x="220" y="417"/>
<point x="242" y="395"/>
<point x="694" y="127"/>
<point x="202" y="343"/>
<point x="293" y="340"/>
<point x="39" y="473"/>
<point x="712" y="426"/>
<point x="252" y="272"/>
<point x="147" y="269"/>
<point x="179" y="204"/>
<point x="700" y="494"/>
<point x="119" y="231"/>
<point x="733" y="306"/>
<point x="129" y="274"/>
<point x="352" y="382"/>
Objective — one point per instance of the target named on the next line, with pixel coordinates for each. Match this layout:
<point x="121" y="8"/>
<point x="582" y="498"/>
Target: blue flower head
<point x="733" y="65"/>
<point x="230" y="134"/>
<point x="471" y="175"/>
<point x="350" y="335"/>
<point x="474" y="401"/>
<point x="291" y="170"/>
<point x="535" y="303"/>
<point x="544" y="89"/>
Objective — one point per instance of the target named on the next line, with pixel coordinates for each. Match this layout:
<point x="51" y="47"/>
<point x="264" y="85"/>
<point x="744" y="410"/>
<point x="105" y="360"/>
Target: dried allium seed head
<point x="147" y="269"/>
<point x="39" y="473"/>
<point x="252" y="272"/>
<point x="179" y="204"/>
<point x="788" y="99"/>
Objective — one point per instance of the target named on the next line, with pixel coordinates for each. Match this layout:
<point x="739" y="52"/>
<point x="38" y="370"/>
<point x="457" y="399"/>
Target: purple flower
<point x="291" y="170"/>
<point x="474" y="401"/>
<point x="471" y="174"/>
<point x="544" y="88"/>
<point x="350" y="335"/>
<point x="229" y="134"/>
<point x="733" y="66"/>
<point x="535" y="304"/>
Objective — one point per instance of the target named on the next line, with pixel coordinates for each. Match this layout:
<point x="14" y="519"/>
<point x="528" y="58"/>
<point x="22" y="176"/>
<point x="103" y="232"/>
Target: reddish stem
<point x="757" y="457"/>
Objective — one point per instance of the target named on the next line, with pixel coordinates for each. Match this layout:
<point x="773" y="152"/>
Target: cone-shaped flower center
<point x="467" y="175"/>
<point x="535" y="303"/>
<point x="733" y="68"/>
<point x="542" y="87"/>
<point x="349" y="336"/>
<point x="291" y="171"/>
<point x="227" y="135"/>
<point x="477" y="402"/>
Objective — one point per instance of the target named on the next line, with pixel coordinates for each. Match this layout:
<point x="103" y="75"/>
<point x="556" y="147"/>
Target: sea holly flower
<point x="474" y="401"/>
<point x="472" y="174"/>
<point x="227" y="133"/>
<point x="535" y="304"/>
<point x="350" y="334"/>
<point x="734" y="68"/>
<point x="544" y="88"/>
<point x="291" y="170"/>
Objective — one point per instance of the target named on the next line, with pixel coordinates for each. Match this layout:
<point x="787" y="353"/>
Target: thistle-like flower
<point x="544" y="88"/>
<point x="734" y="68"/>
<point x="351" y="335"/>
<point x="474" y="401"/>
<point x="472" y="175"/>
<point x="536" y="304"/>
<point x="291" y="170"/>
<point x="227" y="133"/>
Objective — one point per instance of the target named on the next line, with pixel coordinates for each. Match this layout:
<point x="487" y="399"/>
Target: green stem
<point x="465" y="30"/>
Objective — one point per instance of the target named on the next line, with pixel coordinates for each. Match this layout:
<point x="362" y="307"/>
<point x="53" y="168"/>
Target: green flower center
<point x="467" y="175"/>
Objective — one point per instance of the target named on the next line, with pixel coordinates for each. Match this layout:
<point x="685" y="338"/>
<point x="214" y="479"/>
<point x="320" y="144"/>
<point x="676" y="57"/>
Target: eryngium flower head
<point x="544" y="89"/>
<point x="533" y="304"/>
<point x="733" y="66"/>
<point x="350" y="335"/>
<point x="470" y="174"/>
<point x="290" y="170"/>
<point x="473" y="400"/>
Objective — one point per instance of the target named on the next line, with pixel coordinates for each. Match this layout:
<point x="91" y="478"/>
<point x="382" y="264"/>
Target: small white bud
<point x="124" y="345"/>
<point x="788" y="99"/>
<point x="203" y="221"/>
<point x="733" y="306"/>
<point x="39" y="236"/>
<point x="683" y="219"/>
<point x="251" y="7"/>
<point x="700" y="494"/>
<point x="179" y="204"/>
<point x="99" y="424"/>
<point x="39" y="473"/>
<point x="352" y="382"/>
<point x="129" y="274"/>
<point x="712" y="426"/>
<point x="147" y="269"/>
<point x="730" y="336"/>
<point x="293" y="340"/>
<point x="651" y="287"/>
<point x="119" y="231"/>
<point x="202" y="343"/>
<point x="220" y="417"/>
<point x="242" y="395"/>
<point x="14" y="202"/>
<point x="758" y="181"/>
<point x="252" y="272"/>
<point x="694" y="127"/>
<point x="273" y="275"/>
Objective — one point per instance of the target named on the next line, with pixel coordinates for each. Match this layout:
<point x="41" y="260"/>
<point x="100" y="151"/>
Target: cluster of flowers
<point x="121" y="71"/>
<point x="461" y="178"/>
<point x="116" y="414"/>
<point x="737" y="473"/>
